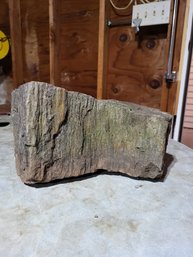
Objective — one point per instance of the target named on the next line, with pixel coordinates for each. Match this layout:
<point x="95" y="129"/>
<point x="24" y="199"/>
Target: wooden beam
<point x="54" y="29"/>
<point x="165" y="86"/>
<point x="169" y="95"/>
<point x="173" y="93"/>
<point x="102" y="48"/>
<point x="181" y="64"/>
<point x="16" y="41"/>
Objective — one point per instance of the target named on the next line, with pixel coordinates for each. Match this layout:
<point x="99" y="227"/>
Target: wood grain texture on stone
<point x="60" y="134"/>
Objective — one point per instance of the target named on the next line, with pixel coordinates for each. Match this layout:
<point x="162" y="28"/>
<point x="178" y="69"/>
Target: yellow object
<point x="4" y="45"/>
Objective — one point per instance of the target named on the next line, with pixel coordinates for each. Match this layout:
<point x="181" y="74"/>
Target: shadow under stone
<point x="4" y="124"/>
<point x="168" y="160"/>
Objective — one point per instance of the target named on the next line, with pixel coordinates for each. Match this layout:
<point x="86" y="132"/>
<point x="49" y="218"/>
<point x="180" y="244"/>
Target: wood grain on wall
<point x="54" y="33"/>
<point x="16" y="41"/>
<point x="35" y="39"/>
<point x="135" y="63"/>
<point x="79" y="45"/>
<point x="138" y="62"/>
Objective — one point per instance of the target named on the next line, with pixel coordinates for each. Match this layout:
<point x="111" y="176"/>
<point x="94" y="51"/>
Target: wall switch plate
<point x="152" y="13"/>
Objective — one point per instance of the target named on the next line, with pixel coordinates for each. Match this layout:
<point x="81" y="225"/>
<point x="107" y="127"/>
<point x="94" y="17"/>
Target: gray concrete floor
<point x="101" y="216"/>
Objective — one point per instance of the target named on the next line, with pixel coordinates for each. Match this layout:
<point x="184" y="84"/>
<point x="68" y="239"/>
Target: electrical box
<point x="151" y="13"/>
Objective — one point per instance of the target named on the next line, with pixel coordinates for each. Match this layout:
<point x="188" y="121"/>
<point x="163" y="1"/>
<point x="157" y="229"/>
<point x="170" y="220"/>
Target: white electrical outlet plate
<point x="152" y="13"/>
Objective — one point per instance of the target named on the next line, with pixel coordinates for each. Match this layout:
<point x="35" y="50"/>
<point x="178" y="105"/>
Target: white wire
<point x="121" y="8"/>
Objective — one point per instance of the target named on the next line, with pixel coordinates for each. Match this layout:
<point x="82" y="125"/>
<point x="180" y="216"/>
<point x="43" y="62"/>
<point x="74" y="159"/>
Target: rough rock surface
<point x="60" y="134"/>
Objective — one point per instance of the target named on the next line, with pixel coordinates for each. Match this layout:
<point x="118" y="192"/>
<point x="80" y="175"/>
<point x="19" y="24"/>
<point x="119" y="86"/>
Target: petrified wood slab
<point x="60" y="134"/>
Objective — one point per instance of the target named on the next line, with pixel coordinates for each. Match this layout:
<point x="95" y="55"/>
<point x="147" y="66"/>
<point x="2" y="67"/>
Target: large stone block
<point x="60" y="134"/>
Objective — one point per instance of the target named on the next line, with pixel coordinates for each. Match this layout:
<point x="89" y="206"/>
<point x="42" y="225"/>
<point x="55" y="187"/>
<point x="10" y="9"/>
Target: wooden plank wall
<point x="133" y="65"/>
<point x="79" y="38"/>
<point x="136" y="66"/>
<point x="137" y="63"/>
<point x="78" y="44"/>
<point x="29" y="21"/>
<point x="16" y="41"/>
<point x="54" y="30"/>
<point x="188" y="118"/>
<point x="35" y="40"/>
